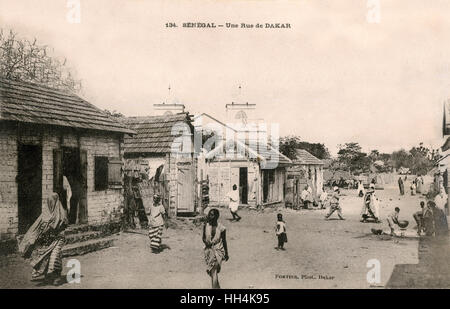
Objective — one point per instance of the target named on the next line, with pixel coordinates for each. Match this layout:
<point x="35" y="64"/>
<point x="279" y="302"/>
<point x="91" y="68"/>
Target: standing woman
<point x="401" y="186"/>
<point x="157" y="220"/>
<point x="216" y="250"/>
<point x="44" y="240"/>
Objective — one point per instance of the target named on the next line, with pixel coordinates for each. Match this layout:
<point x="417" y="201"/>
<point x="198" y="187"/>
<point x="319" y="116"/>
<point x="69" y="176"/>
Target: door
<point x="71" y="163"/>
<point x="186" y="189"/>
<point x="234" y="180"/>
<point x="29" y="183"/>
<point x="243" y="185"/>
<point x="265" y="175"/>
<point x="82" y="204"/>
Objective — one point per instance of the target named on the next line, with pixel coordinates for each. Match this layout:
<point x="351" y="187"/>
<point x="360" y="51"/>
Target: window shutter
<point x="115" y="172"/>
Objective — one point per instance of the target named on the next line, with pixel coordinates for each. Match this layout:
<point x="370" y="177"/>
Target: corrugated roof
<point x="154" y="133"/>
<point x="305" y="158"/>
<point x="33" y="103"/>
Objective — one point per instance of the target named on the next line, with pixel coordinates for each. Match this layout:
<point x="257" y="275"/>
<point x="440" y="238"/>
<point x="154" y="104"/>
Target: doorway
<point x="265" y="177"/>
<point x="186" y="193"/>
<point x="70" y="170"/>
<point x="29" y="185"/>
<point x="243" y="185"/>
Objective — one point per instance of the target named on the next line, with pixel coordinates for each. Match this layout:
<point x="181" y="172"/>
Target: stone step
<point x="80" y="248"/>
<point x="83" y="236"/>
<point x="79" y="228"/>
<point x="106" y="228"/>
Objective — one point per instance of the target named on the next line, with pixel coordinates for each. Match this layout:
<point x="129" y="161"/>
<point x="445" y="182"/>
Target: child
<point x="281" y="232"/>
<point x="233" y="195"/>
<point x="418" y="216"/>
<point x="392" y="220"/>
<point x="323" y="199"/>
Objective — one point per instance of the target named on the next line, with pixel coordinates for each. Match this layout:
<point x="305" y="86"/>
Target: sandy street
<point x="320" y="254"/>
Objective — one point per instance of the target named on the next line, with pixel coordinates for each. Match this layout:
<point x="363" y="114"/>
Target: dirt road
<point x="320" y="254"/>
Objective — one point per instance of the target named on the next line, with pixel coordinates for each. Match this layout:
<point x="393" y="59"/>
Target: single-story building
<point x="305" y="170"/>
<point x="259" y="171"/>
<point x="164" y="145"/>
<point x="46" y="134"/>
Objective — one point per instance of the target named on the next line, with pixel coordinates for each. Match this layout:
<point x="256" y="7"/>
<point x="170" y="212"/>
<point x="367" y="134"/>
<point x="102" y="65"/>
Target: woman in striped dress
<point x="44" y="240"/>
<point x="156" y="224"/>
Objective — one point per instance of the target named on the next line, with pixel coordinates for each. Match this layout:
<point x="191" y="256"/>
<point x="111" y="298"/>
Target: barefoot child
<point x="281" y="232"/>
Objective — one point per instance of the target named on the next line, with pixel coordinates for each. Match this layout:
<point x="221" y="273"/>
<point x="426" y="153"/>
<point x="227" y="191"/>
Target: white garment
<point x="66" y="186"/>
<point x="233" y="195"/>
<point x="361" y="188"/>
<point x="304" y="194"/>
<point x="441" y="201"/>
<point x="323" y="196"/>
<point x="375" y="203"/>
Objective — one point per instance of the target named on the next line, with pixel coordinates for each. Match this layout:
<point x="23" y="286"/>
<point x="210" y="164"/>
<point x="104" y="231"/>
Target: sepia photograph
<point x="212" y="144"/>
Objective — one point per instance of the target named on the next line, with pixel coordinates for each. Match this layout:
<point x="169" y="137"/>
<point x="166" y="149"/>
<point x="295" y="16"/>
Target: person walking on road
<point x="216" y="249"/>
<point x="334" y="205"/>
<point x="233" y="195"/>
<point x="158" y="220"/>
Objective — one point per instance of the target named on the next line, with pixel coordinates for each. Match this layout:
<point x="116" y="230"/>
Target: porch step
<point x="83" y="236"/>
<point x="80" y="248"/>
<point x="105" y="228"/>
<point x="79" y="228"/>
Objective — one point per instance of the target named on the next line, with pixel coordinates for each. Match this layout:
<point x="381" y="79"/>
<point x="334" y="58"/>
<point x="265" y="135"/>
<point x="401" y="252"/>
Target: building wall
<point x="170" y="185"/>
<point x="223" y="174"/>
<point x="100" y="203"/>
<point x="313" y="175"/>
<point x="276" y="188"/>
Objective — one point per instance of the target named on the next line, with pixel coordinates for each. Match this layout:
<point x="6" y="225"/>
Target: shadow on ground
<point x="432" y="271"/>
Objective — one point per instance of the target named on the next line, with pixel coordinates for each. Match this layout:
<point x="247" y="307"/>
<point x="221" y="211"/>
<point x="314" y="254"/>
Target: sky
<point x="333" y="77"/>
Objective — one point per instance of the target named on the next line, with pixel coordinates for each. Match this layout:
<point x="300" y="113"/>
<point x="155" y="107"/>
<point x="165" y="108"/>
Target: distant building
<point x="163" y="147"/>
<point x="305" y="170"/>
<point x="258" y="170"/>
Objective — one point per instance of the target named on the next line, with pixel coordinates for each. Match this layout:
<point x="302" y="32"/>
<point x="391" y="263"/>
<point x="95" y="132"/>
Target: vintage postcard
<point x="240" y="144"/>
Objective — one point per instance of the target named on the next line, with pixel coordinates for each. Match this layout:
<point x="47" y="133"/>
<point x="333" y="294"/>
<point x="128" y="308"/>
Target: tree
<point x="289" y="145"/>
<point x="114" y="114"/>
<point x="21" y="59"/>
<point x="420" y="160"/>
<point x="401" y="158"/>
<point x="352" y="158"/>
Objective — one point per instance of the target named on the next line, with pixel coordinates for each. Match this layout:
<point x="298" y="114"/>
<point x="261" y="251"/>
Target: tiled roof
<point x="269" y="155"/>
<point x="305" y="158"/>
<point x="154" y="133"/>
<point x="33" y="103"/>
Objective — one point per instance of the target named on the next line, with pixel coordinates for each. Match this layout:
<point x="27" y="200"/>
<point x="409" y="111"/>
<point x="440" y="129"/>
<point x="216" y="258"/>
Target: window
<point x="108" y="173"/>
<point x="101" y="173"/>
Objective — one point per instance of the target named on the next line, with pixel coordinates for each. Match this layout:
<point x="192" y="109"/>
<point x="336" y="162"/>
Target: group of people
<point x="416" y="186"/>
<point x="44" y="240"/>
<point x="431" y="219"/>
